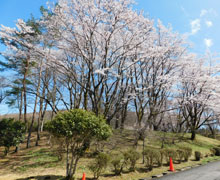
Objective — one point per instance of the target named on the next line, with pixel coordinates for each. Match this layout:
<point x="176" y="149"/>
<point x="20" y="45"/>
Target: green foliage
<point x="79" y="124"/>
<point x="156" y="157"/>
<point x="213" y="151"/>
<point x="183" y="154"/>
<point x="119" y="163"/>
<point x="216" y="151"/>
<point x="78" y="127"/>
<point x="11" y="133"/>
<point x="198" y="155"/>
<point x="127" y="158"/>
<point x="162" y="156"/>
<point x="180" y="155"/>
<point x="152" y="156"/>
<point x="131" y="156"/>
<point x="149" y="155"/>
<point x="34" y="24"/>
<point x="169" y="153"/>
<point x="187" y="153"/>
<point x="14" y="93"/>
<point x="99" y="165"/>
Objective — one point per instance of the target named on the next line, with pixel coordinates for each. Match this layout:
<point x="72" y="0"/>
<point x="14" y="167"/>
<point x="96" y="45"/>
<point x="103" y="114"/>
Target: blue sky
<point x="198" y="19"/>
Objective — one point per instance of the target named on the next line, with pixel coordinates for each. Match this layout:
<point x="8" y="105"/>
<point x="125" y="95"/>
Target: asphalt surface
<point x="210" y="171"/>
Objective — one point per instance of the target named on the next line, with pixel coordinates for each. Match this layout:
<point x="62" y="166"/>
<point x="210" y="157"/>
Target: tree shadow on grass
<point x="142" y="170"/>
<point x="110" y="175"/>
<point x="44" y="177"/>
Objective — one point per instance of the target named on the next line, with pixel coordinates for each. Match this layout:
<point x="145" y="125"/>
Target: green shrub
<point x="180" y="155"/>
<point x="198" y="155"/>
<point x="119" y="163"/>
<point x="183" y="153"/>
<point x="149" y="155"/>
<point x="213" y="151"/>
<point x="100" y="164"/>
<point x="187" y="153"/>
<point x="170" y="153"/>
<point x="78" y="128"/>
<point x="162" y="155"/>
<point x="11" y="133"/>
<point x="153" y="156"/>
<point x="217" y="151"/>
<point x="131" y="156"/>
<point x="158" y="158"/>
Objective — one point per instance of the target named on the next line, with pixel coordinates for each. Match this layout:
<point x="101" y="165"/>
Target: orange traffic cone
<point x="171" y="165"/>
<point x="84" y="176"/>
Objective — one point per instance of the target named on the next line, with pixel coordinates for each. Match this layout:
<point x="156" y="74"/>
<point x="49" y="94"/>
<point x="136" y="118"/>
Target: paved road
<point x="210" y="171"/>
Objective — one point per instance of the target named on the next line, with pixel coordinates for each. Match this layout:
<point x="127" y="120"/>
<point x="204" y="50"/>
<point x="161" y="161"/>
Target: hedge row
<point x="156" y="157"/>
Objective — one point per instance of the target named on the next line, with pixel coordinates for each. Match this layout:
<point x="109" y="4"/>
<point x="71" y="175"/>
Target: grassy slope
<point x="41" y="161"/>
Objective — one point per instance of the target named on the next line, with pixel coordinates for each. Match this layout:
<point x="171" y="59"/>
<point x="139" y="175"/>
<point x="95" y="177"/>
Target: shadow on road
<point x="45" y="177"/>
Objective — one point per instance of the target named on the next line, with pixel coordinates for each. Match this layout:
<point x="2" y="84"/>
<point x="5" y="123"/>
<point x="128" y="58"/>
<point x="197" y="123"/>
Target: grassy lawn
<point x="42" y="161"/>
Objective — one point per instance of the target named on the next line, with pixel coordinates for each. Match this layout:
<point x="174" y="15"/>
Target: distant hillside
<point x="129" y="123"/>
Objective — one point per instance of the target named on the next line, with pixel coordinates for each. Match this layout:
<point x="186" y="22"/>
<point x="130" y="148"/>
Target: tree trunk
<point x="155" y="127"/>
<point x="116" y="123"/>
<point x="39" y="115"/>
<point x="20" y="106"/>
<point x="32" y="122"/>
<point x="35" y="106"/>
<point x="67" y="161"/>
<point x="17" y="148"/>
<point x="25" y="90"/>
<point x="193" y="135"/>
<point x="123" y="116"/>
<point x="122" y="125"/>
<point x="38" y="126"/>
<point x="85" y="103"/>
<point x="42" y="117"/>
<point x="6" y="151"/>
<point x="213" y="132"/>
<point x="73" y="171"/>
<point x="143" y="150"/>
<point x="54" y="93"/>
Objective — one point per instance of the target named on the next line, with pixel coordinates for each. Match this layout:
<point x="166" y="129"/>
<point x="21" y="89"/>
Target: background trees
<point x="105" y="57"/>
<point x="197" y="94"/>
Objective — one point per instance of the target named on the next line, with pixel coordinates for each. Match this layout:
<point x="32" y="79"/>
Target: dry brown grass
<point x="40" y="162"/>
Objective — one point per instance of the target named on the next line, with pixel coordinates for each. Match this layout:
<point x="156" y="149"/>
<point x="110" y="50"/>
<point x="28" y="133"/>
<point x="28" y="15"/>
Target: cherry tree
<point x="93" y="42"/>
<point x="104" y="56"/>
<point x="198" y="93"/>
<point x="155" y="75"/>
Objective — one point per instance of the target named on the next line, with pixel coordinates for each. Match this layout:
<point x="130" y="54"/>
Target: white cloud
<point x="208" y="42"/>
<point x="209" y="23"/>
<point x="209" y="12"/>
<point x="203" y="12"/>
<point x="195" y="26"/>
